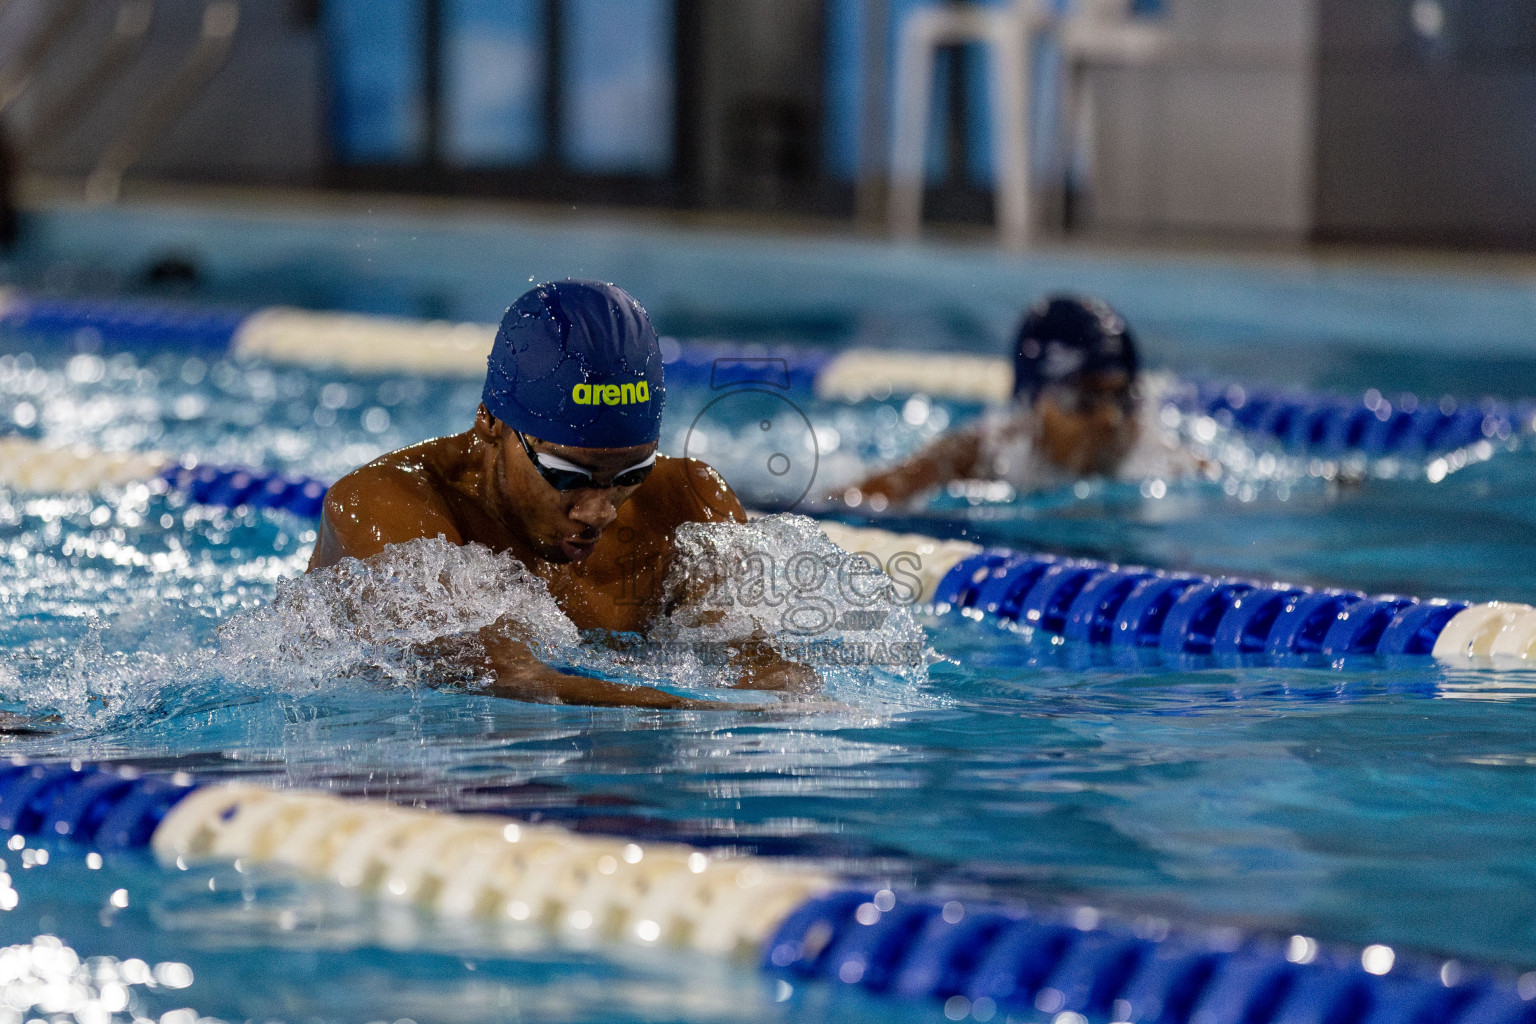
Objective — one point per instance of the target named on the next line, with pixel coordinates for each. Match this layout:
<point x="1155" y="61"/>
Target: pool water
<point x="1368" y="801"/>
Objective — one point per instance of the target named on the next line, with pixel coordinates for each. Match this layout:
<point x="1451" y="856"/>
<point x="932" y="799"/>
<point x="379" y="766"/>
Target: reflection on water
<point x="1501" y="679"/>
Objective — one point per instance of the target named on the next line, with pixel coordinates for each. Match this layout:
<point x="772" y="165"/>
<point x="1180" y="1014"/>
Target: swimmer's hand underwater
<point x="561" y="471"/>
<point x="521" y="676"/>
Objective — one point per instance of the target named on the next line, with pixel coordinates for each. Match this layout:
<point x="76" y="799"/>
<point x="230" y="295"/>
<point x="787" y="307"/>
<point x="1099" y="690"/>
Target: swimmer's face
<point x="561" y="526"/>
<point x="1087" y="427"/>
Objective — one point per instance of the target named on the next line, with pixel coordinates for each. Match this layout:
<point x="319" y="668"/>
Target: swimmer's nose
<point x="595" y="509"/>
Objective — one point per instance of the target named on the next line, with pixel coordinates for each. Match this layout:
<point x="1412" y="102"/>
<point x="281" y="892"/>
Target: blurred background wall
<point x="260" y="118"/>
<point x="1293" y="120"/>
<point x="1426" y="115"/>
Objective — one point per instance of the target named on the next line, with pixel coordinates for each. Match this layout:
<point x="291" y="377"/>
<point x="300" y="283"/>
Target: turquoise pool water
<point x="1371" y="802"/>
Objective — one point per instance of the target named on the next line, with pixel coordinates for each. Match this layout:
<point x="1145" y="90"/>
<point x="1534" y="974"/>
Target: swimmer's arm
<point x="521" y="676"/>
<point x="374" y="507"/>
<point x="952" y="457"/>
<point x="763" y="668"/>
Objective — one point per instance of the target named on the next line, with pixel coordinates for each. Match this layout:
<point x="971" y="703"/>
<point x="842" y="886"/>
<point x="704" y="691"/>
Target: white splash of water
<point x="373" y="617"/>
<point x="780" y="581"/>
<point x="411" y="616"/>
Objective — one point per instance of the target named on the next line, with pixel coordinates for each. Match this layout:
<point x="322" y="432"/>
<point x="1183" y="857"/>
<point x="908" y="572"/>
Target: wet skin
<point x="1085" y="429"/>
<point x="603" y="550"/>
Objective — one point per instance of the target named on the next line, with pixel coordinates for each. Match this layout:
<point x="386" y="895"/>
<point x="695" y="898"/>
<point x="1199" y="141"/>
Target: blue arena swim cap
<point x="1065" y="338"/>
<point x="577" y="363"/>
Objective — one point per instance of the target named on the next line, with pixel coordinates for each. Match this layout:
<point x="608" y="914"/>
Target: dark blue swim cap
<point x="1064" y="339"/>
<point x="577" y="363"/>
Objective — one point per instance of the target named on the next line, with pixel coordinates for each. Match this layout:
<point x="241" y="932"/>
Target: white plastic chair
<point x="1099" y="32"/>
<point x="1096" y="31"/>
<point x="1009" y="33"/>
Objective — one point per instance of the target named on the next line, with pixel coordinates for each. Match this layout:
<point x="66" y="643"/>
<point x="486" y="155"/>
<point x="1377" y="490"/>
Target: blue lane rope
<point x="719" y="365"/>
<point x="104" y="808"/>
<point x="120" y="323"/>
<point x="913" y="946"/>
<point x="1018" y="961"/>
<point x="1184" y="614"/>
<point x="233" y="486"/>
<point x="1331" y="425"/>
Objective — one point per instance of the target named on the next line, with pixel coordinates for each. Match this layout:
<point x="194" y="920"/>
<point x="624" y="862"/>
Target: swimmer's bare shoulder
<point x="393" y="499"/>
<point x="684" y="491"/>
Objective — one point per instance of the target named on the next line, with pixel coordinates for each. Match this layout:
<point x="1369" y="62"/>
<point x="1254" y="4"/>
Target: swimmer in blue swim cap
<point x="561" y="470"/>
<point x="1077" y="412"/>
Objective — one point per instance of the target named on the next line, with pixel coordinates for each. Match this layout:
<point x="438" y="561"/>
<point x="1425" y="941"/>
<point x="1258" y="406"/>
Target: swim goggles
<point x="567" y="476"/>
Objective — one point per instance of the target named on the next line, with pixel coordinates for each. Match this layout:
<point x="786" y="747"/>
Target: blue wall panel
<point x="845" y="88"/>
<point x="376" y="79"/>
<point x="493" y="81"/>
<point x="617" y="84"/>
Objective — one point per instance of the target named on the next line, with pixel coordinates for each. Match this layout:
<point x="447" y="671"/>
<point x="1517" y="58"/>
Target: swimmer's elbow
<point x="898" y="484"/>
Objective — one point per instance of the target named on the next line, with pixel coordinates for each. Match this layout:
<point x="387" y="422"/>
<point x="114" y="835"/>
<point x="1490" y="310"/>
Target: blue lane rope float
<point x="108" y="809"/>
<point x="233" y="486"/>
<point x="798" y="923"/>
<point x="1372" y="425"/>
<point x="1183" y="614"/>
<point x="719" y="365"/>
<point x="1078" y="965"/>
<point x="1314" y="424"/>
<point x="122" y="323"/>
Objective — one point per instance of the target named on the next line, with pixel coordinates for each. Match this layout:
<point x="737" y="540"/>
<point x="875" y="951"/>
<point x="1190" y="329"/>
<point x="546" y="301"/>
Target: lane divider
<point x="461" y="866"/>
<point x="1373" y="425"/>
<point x="932" y="562"/>
<point x="233" y="486"/>
<point x="798" y="922"/>
<point x="1129" y="607"/>
<point x="1079" y="600"/>
<point x="1319" y="424"/>
<point x="367" y="343"/>
<point x="858" y="374"/>
<point x="29" y="466"/>
<point x="120" y="323"/>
